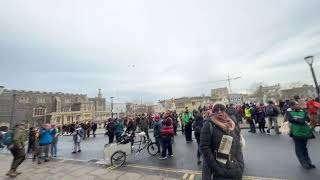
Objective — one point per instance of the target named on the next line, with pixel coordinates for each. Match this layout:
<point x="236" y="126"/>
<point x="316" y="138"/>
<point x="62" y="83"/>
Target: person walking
<point x="272" y="113"/>
<point x="300" y="132"/>
<point x="157" y="127"/>
<point x="17" y="149"/>
<point x="260" y="116"/>
<point x="187" y="120"/>
<point x="77" y="137"/>
<point x="94" y="129"/>
<point x="110" y="130"/>
<point x="249" y="119"/>
<point x="54" y="145"/>
<point x="46" y="138"/>
<point x="197" y="125"/>
<point x="221" y="147"/>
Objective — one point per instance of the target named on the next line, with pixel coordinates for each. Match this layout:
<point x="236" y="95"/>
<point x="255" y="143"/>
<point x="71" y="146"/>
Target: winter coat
<point x="55" y="135"/>
<point x="118" y="128"/>
<point x="144" y="124"/>
<point x="167" y="127"/>
<point x="77" y="135"/>
<point x="46" y="136"/>
<point x="209" y="143"/>
<point x="186" y="116"/>
<point x="157" y="128"/>
<point x="131" y="127"/>
<point x="197" y="125"/>
<point x="19" y="138"/>
<point x="94" y="127"/>
<point x="260" y="115"/>
<point x="111" y="128"/>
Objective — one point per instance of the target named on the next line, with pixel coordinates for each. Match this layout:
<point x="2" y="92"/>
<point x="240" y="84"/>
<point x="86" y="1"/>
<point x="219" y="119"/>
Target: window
<point x="23" y="100"/>
<point x="40" y="111"/>
<point x="41" y="100"/>
<point x="58" y="120"/>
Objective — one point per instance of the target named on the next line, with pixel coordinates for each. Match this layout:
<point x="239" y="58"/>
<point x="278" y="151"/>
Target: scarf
<point x="223" y="121"/>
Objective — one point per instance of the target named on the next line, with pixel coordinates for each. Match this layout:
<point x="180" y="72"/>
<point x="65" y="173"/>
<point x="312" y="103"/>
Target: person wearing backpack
<point x="197" y="125"/>
<point x="272" y="113"/>
<point x="300" y="132"/>
<point x="221" y="147"/>
<point x="16" y="147"/>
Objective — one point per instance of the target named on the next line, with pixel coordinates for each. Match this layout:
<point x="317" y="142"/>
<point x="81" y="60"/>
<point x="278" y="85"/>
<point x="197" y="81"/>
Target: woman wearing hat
<point x="221" y="147"/>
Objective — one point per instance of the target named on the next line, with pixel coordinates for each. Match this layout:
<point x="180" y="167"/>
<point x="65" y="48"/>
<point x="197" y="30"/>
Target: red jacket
<point x="167" y="126"/>
<point x="313" y="107"/>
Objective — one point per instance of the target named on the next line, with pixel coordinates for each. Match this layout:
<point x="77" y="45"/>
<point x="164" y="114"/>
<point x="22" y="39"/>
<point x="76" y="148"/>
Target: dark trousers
<point x="166" y="145"/>
<point x="175" y="129"/>
<point x="197" y="136"/>
<point x="94" y="133"/>
<point x="30" y="147"/>
<point x="147" y="133"/>
<point x="262" y="125"/>
<point x="182" y="128"/>
<point x="188" y="132"/>
<point x="111" y="138"/>
<point x="302" y="151"/>
<point x="158" y="141"/>
<point x="19" y="156"/>
<point x="252" y="125"/>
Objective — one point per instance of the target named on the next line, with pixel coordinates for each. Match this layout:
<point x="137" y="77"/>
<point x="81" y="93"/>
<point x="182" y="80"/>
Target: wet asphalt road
<point x="265" y="155"/>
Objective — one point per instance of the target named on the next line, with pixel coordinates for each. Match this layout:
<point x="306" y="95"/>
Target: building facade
<point x="35" y="108"/>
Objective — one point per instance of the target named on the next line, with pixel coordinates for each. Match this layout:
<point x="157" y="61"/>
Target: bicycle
<point x="119" y="151"/>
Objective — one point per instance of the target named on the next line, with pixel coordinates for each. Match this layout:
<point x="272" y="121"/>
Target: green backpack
<point x="302" y="131"/>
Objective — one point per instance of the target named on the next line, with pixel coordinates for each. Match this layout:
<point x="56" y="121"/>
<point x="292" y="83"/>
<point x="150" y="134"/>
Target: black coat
<point x="209" y="143"/>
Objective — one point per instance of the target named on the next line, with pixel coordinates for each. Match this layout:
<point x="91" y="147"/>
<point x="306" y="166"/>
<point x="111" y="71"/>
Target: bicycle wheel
<point x="118" y="158"/>
<point x="153" y="149"/>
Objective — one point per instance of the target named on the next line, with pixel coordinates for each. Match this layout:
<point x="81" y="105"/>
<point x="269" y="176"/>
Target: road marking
<point x="185" y="176"/>
<point x="187" y="172"/>
<point x="111" y="167"/>
<point x="191" y="177"/>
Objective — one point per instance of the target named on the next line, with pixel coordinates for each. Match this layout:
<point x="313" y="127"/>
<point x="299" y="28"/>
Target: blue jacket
<point x="157" y="127"/>
<point x="46" y="136"/>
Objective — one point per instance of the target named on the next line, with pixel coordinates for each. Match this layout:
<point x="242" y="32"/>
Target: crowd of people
<point x="216" y="130"/>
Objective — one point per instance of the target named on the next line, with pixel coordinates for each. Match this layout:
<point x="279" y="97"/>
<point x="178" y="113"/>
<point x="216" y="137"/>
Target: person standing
<point x="187" y="120"/>
<point x="110" y="130"/>
<point x="157" y="127"/>
<point x="94" y="129"/>
<point x="118" y="129"/>
<point x="272" y="113"/>
<point x="55" y="136"/>
<point x="260" y="116"/>
<point x="31" y="141"/>
<point x="248" y="116"/>
<point x="313" y="106"/>
<point x="300" y="132"/>
<point x="167" y="133"/>
<point x="221" y="147"/>
<point x="145" y="125"/>
<point x="17" y="149"/>
<point x="197" y="125"/>
<point x="77" y="136"/>
<point x="44" y="143"/>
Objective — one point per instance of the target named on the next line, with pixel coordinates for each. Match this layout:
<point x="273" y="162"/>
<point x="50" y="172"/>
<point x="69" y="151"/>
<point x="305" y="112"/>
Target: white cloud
<point x="175" y="46"/>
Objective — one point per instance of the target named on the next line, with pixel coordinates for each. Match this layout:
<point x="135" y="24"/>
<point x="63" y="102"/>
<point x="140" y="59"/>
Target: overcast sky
<point x="152" y="50"/>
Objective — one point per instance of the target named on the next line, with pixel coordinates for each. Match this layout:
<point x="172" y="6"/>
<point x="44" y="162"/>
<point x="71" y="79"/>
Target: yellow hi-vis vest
<point x="247" y="112"/>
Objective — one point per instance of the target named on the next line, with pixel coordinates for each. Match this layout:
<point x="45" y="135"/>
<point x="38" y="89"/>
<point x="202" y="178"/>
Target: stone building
<point x="303" y="92"/>
<point x="34" y="107"/>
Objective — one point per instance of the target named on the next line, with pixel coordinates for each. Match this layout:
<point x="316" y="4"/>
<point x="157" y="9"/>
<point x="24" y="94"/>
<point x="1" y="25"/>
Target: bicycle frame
<point x="140" y="143"/>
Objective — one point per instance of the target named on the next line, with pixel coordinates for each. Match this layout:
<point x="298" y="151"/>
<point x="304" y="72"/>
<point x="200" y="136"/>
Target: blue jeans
<point x="166" y="145"/>
<point x="54" y="149"/>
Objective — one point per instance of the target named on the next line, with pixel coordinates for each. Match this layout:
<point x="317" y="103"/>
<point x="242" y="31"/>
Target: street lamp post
<point x="111" y="99"/>
<point x="309" y="61"/>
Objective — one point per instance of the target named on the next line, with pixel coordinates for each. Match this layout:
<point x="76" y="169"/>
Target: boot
<point x="12" y="173"/>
